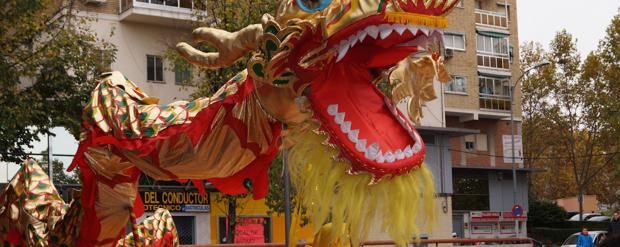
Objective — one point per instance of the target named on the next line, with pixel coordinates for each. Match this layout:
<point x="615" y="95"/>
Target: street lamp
<point x="512" y="130"/>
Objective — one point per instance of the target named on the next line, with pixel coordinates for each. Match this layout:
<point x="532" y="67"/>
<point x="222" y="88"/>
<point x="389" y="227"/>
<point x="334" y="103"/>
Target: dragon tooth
<point x="413" y="29"/>
<point x="373" y="31"/>
<point x="389" y="156"/>
<point x="372" y="151"/>
<point x="342" y="50"/>
<point x="416" y="147"/>
<point x="424" y="31"/>
<point x="360" y="145"/>
<point x="380" y="158"/>
<point x="408" y="151"/>
<point x="332" y="109"/>
<point x="400" y="28"/>
<point x="345" y="127"/>
<point x="339" y="118"/>
<point x="385" y="30"/>
<point x="399" y="154"/>
<point x="352" y="40"/>
<point x="361" y="35"/>
<point x="353" y="135"/>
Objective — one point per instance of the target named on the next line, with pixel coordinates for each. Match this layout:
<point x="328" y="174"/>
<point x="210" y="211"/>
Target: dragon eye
<point x="312" y="6"/>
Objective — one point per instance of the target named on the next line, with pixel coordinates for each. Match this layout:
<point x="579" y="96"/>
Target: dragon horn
<point x="230" y="46"/>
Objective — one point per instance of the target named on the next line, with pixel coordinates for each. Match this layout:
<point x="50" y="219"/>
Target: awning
<point x="448" y="131"/>
<point x="531" y="169"/>
<point x="494" y="73"/>
<point x="492" y="32"/>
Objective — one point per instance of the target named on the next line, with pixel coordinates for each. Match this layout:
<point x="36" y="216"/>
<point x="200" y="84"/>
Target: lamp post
<point x="512" y="132"/>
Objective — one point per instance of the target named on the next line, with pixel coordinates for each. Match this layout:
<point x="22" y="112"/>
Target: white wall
<point x="134" y="41"/>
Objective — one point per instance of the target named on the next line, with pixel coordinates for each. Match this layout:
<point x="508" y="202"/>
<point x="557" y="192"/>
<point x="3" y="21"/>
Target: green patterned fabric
<point x="119" y="107"/>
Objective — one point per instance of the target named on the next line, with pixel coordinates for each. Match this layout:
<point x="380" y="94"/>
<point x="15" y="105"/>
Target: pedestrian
<point x="584" y="239"/>
<point x="614" y="225"/>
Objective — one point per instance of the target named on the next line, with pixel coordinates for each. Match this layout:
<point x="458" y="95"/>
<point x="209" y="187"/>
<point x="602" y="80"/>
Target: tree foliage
<point x="48" y="60"/>
<point x="571" y="123"/>
<point x="59" y="175"/>
<point x="545" y="214"/>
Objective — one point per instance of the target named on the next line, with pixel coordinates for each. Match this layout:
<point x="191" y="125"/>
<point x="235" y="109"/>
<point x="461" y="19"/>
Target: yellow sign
<point x="175" y="201"/>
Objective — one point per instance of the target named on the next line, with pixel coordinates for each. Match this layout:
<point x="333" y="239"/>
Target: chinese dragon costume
<point x="311" y="87"/>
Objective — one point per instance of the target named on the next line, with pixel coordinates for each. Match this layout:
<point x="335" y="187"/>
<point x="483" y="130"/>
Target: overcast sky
<point x="587" y="20"/>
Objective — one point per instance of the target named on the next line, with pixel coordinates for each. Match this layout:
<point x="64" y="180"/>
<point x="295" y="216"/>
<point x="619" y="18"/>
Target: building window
<point x="494" y="93"/>
<point x="458" y="84"/>
<point x="492" y="45"/>
<point x="454" y="41"/>
<point x="185" y="229"/>
<point x="469" y="145"/>
<point x="181" y="74"/>
<point x="477" y="142"/>
<point x="504" y="10"/>
<point x="494" y="86"/>
<point x="470" y="193"/>
<point x="478" y="4"/>
<point x="154" y="69"/>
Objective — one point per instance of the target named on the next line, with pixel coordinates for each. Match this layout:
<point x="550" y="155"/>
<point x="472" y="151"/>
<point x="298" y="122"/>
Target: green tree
<point x="48" y="60"/>
<point x="545" y="214"/>
<point x="59" y="175"/>
<point x="567" y="121"/>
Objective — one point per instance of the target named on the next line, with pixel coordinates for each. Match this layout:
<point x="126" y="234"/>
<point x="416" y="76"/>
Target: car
<point x="570" y="214"/>
<point x="585" y="217"/>
<point x="597" y="237"/>
<point x="601" y="218"/>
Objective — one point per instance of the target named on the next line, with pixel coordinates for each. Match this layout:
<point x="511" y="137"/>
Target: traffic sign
<point x="517" y="210"/>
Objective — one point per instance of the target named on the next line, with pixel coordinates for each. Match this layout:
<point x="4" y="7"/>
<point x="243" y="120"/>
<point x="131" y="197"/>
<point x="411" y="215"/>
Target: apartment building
<point x="143" y="30"/>
<point x="482" y="55"/>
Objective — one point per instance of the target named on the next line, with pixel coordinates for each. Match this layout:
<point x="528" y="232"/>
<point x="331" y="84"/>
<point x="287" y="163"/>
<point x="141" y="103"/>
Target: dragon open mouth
<point x="366" y="125"/>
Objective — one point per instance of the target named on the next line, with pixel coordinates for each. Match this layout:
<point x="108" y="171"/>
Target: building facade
<point x="482" y="55"/>
<point x="143" y="31"/>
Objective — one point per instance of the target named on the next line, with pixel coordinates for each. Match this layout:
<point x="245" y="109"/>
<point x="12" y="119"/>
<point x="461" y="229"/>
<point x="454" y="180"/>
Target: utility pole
<point x="287" y="199"/>
<point x="512" y="133"/>
<point x="50" y="156"/>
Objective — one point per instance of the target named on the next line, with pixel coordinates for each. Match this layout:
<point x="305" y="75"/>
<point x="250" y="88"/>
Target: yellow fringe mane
<point x="417" y="19"/>
<point x="330" y="195"/>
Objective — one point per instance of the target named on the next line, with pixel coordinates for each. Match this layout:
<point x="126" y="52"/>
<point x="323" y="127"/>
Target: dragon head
<point x="321" y="61"/>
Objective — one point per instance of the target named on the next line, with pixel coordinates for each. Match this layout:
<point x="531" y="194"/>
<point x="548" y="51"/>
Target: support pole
<point x="514" y="168"/>
<point x="50" y="157"/>
<point x="287" y="199"/>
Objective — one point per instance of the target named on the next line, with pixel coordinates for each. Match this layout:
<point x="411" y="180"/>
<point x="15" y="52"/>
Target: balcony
<point x="493" y="61"/>
<point x="494" y="102"/>
<point x="491" y="19"/>
<point x="173" y="13"/>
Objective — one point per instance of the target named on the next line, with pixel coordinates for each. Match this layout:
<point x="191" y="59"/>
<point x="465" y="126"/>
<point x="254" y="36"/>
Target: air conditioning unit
<point x="449" y="53"/>
<point x="98" y="2"/>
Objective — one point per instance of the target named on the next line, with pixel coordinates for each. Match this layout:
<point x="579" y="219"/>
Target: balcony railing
<point x="492" y="19"/>
<point x="494" y="102"/>
<point x="493" y="61"/>
<point x="183" y="6"/>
